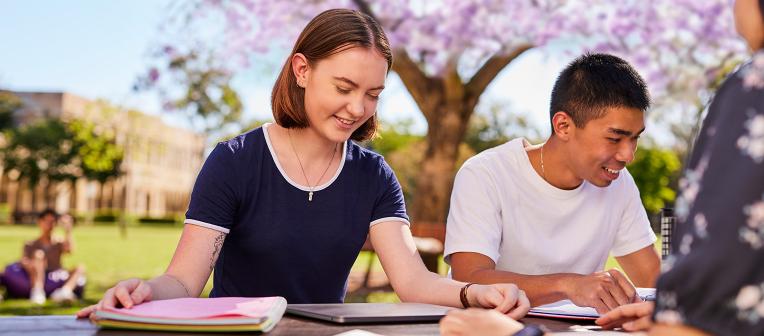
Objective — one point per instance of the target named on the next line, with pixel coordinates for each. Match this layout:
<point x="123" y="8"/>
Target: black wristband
<point x="530" y="330"/>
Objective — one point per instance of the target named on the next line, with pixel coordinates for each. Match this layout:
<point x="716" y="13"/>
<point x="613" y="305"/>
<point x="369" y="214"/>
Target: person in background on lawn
<point x="714" y="280"/>
<point x="546" y="217"/>
<point x="284" y="209"/>
<point x="40" y="273"/>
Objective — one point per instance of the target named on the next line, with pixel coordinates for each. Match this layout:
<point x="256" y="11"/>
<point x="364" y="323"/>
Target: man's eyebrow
<point x="353" y="84"/>
<point x="623" y="132"/>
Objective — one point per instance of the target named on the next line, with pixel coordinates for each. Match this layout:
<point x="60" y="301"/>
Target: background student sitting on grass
<point x="39" y="274"/>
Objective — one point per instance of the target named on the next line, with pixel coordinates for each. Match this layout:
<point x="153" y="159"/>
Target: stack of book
<point x="225" y="314"/>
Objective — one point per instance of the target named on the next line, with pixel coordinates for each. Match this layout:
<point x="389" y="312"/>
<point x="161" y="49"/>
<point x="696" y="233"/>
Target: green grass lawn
<point x="109" y="257"/>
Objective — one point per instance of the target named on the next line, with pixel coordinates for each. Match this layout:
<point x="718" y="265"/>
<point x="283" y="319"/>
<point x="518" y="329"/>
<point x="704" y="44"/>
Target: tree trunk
<point x="72" y="196"/>
<point x="447" y="102"/>
<point x="49" y="194"/>
<point x="14" y="194"/>
<point x="99" y="196"/>
<point x="434" y="182"/>
<point x="33" y="188"/>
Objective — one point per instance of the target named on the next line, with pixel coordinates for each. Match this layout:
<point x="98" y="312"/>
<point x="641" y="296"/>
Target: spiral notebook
<point x="226" y="314"/>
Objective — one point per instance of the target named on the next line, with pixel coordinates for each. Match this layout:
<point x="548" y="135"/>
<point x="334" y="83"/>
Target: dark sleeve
<point x="390" y="204"/>
<point x="215" y="197"/>
<point x="714" y="279"/>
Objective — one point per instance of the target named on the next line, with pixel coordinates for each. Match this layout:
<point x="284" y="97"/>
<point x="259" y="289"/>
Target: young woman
<point x="285" y="208"/>
<point x="715" y="282"/>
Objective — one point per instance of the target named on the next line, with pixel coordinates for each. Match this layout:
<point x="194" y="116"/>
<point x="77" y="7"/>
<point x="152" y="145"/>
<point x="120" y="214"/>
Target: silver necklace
<point x="310" y="187"/>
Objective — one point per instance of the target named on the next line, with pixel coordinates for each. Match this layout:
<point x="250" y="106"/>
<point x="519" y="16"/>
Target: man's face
<point x="46" y="223"/>
<point x="606" y="145"/>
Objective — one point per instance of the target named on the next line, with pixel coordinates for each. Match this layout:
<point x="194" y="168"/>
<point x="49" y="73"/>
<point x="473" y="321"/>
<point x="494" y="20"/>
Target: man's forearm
<point x="540" y="289"/>
<point x="642" y="266"/>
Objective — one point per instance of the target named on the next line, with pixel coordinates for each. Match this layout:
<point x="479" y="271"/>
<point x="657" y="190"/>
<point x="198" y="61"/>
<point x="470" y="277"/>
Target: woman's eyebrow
<point x="353" y="84"/>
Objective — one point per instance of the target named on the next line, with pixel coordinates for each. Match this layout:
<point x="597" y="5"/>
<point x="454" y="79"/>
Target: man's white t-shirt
<point x="503" y="209"/>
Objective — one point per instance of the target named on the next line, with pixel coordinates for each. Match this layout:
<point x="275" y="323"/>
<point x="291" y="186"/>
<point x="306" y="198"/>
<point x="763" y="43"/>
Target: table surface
<point x="289" y="325"/>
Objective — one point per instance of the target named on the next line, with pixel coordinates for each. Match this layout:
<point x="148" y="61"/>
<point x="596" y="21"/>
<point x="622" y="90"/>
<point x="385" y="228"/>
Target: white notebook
<point x="567" y="310"/>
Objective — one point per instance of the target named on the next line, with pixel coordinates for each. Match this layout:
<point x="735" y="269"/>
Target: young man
<point x="40" y="273"/>
<point x="546" y="217"/>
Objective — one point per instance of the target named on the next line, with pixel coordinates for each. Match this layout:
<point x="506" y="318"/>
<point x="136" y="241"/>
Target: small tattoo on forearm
<point x="217" y="245"/>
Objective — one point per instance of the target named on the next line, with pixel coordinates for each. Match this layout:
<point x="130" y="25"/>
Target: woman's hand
<point x="505" y="298"/>
<point x="127" y="293"/>
<point x="630" y="317"/>
<point x="478" y="322"/>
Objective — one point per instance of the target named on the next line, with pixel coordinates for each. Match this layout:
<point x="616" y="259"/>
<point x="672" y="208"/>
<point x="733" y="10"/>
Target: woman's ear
<point x="300" y="69"/>
<point x="563" y="125"/>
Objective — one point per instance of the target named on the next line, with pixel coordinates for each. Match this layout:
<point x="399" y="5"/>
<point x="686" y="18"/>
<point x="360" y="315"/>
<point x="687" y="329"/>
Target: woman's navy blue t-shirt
<point x="278" y="243"/>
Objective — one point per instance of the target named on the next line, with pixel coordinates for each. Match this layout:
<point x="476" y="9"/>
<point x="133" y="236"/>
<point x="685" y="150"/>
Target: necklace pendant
<point x="310" y="196"/>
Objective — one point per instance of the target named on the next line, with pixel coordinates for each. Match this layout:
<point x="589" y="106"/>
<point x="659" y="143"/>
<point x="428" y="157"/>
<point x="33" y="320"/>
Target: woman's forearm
<point x="167" y="286"/>
<point x="428" y="287"/>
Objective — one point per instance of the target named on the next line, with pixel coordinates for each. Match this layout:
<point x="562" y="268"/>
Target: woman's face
<point x="342" y="90"/>
<point x="750" y="23"/>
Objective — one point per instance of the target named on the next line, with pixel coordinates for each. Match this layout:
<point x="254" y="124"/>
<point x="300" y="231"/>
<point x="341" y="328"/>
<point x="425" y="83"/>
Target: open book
<point x="565" y="309"/>
<point x="224" y="314"/>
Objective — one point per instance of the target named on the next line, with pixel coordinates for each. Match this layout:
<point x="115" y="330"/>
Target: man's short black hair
<point x="46" y="212"/>
<point x="594" y="82"/>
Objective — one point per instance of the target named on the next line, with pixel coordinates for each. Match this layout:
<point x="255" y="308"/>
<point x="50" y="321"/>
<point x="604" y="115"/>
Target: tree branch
<point x="415" y="80"/>
<point x="491" y="69"/>
<point x="452" y="82"/>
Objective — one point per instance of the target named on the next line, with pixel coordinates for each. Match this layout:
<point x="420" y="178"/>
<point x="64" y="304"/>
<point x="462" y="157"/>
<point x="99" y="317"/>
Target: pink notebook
<point x="199" y="308"/>
<point x="253" y="313"/>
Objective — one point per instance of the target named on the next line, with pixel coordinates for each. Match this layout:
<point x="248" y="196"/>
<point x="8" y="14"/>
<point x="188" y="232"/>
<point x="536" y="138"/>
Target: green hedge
<point x="169" y="220"/>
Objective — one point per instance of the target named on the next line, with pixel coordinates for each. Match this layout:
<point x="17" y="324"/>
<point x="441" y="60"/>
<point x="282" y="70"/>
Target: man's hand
<point x="604" y="291"/>
<point x="631" y="317"/>
<point x="66" y="222"/>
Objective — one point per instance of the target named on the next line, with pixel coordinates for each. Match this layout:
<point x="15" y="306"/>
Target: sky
<point x="97" y="49"/>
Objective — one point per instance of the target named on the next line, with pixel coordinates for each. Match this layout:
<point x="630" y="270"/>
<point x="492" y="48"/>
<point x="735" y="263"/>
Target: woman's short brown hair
<point x="328" y="33"/>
